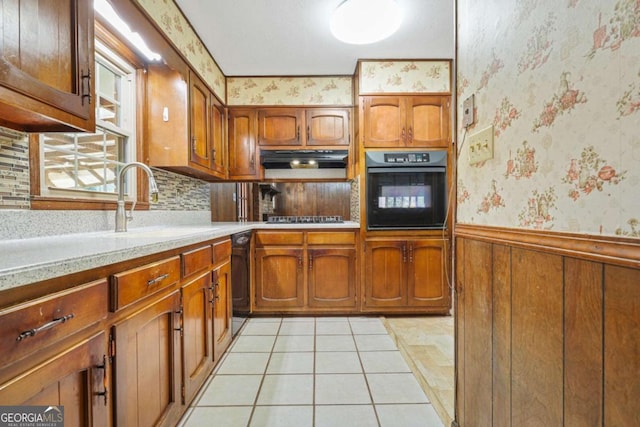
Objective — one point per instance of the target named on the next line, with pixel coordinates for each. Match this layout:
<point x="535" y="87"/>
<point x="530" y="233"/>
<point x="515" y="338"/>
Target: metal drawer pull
<point x="104" y="393"/>
<point x="49" y="325"/>
<point x="157" y="279"/>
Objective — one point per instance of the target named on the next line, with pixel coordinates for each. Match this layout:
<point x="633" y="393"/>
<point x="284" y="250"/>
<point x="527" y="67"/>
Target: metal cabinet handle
<point x="404" y="253"/>
<point x="410" y="253"/>
<point x="298" y="133"/>
<point x="308" y="132"/>
<point x="48" y="325"/>
<point x="86" y="93"/>
<point x="299" y="261"/>
<point x="105" y="391"/>
<point x="213" y="154"/>
<point x="404" y="134"/>
<point x="310" y="262"/>
<point x="157" y="279"/>
<point x="410" y="134"/>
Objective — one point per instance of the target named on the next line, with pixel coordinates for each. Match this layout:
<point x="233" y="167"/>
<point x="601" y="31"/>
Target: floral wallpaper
<point x="560" y="83"/>
<point x="170" y="19"/>
<point x="405" y="77"/>
<point x="336" y="90"/>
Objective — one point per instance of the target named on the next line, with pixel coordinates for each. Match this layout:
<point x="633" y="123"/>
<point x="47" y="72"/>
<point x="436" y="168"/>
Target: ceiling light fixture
<point x="106" y="11"/>
<point x="365" y="21"/>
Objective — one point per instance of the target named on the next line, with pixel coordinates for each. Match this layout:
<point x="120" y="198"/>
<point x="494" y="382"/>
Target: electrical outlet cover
<point x="468" y="111"/>
<point x="481" y="146"/>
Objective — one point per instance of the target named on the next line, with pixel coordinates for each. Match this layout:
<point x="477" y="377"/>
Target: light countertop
<point x="26" y="261"/>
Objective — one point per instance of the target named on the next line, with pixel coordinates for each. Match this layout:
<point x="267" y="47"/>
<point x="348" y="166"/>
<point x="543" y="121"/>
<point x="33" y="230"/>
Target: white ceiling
<point x="292" y="37"/>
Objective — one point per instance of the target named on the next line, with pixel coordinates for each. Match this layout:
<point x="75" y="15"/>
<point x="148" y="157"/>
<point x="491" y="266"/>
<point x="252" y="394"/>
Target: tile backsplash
<point x="14" y="170"/>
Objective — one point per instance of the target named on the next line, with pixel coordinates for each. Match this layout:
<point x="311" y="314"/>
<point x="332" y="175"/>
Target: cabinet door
<point x="46" y="63"/>
<point x="279" y="278"/>
<point x="75" y="378"/>
<point x="218" y="164"/>
<point x="197" y="348"/>
<point x="199" y="137"/>
<point x="427" y="121"/>
<point x="426" y="281"/>
<point x="280" y="126"/>
<point x="332" y="277"/>
<point x="222" y="310"/>
<point x="384" y="121"/>
<point x="385" y="273"/>
<point x="243" y="157"/>
<point x="327" y="126"/>
<point x="147" y="365"/>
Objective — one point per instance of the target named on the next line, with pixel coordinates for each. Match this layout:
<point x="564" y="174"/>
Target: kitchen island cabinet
<point x="405" y="275"/>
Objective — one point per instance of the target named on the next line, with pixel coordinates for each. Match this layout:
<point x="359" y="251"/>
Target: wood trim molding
<point x="621" y="251"/>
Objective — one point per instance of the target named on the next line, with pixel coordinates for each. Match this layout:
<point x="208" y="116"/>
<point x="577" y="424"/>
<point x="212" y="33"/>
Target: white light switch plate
<point x="481" y="146"/>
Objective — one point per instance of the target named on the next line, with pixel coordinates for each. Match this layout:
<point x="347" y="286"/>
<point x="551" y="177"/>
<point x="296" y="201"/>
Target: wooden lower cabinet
<point x="147" y="364"/>
<point x="197" y="347"/>
<point x="75" y="378"/>
<point x="222" y="310"/>
<point x="279" y="278"/>
<point x="406" y="274"/>
<point x="310" y="271"/>
<point x="332" y="277"/>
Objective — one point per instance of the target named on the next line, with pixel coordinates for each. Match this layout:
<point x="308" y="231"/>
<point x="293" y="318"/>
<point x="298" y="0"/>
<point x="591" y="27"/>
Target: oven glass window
<point x="406" y="199"/>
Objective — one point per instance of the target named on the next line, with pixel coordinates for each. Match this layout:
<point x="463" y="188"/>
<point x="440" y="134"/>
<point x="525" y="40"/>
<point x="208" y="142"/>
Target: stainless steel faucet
<point x="121" y="216"/>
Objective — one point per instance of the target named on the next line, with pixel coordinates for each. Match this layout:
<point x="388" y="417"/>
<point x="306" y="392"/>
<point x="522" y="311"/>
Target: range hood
<point x="307" y="164"/>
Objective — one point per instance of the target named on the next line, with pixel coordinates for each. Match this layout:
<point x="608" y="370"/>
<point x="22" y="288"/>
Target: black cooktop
<point x="332" y="219"/>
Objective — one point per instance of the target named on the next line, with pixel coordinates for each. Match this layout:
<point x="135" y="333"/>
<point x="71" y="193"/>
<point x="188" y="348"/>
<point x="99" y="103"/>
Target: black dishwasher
<point x="240" y="279"/>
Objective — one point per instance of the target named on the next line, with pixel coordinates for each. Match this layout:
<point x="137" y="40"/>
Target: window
<point x="85" y="165"/>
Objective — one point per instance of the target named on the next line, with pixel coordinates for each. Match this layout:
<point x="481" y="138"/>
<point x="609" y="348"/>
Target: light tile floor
<point x="305" y="371"/>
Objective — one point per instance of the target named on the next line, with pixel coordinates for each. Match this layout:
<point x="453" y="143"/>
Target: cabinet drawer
<point x="221" y="251"/>
<point x="264" y="238"/>
<point x="28" y="327"/>
<point x="196" y="260"/>
<point x="331" y="238"/>
<point x="132" y="285"/>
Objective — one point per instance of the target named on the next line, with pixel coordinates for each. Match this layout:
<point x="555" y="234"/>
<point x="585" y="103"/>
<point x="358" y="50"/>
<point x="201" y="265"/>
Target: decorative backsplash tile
<point x="335" y="90"/>
<point x="175" y="26"/>
<point x="560" y="82"/>
<point x="14" y="170"/>
<point x="181" y="193"/>
<point x="419" y="76"/>
<point x="355" y="199"/>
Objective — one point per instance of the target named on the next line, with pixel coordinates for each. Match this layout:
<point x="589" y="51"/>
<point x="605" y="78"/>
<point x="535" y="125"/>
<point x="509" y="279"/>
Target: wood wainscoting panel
<point x="621" y="347"/>
<point x="501" y="335"/>
<point x="537" y="344"/>
<point x="478" y="319"/>
<point x="582" y="343"/>
<point x="562" y="330"/>
<point x="460" y="332"/>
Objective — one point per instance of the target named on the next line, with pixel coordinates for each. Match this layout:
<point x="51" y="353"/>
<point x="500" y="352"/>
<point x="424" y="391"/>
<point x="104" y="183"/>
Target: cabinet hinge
<point x="183" y="392"/>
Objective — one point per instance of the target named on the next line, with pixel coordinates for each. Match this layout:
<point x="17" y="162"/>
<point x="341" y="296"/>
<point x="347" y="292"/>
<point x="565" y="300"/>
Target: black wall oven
<point x="406" y="190"/>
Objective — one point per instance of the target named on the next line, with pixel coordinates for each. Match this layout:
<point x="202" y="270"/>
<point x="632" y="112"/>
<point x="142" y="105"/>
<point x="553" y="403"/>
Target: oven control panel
<point x="406" y="157"/>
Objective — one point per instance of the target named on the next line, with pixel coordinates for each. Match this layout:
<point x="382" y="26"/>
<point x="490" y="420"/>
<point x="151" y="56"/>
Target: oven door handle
<point x="407" y="169"/>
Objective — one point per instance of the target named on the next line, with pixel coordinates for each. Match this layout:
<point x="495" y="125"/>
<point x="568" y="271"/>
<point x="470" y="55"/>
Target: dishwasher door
<point x="240" y="278"/>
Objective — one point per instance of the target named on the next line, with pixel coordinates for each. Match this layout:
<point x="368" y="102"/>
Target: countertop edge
<point x="17" y="275"/>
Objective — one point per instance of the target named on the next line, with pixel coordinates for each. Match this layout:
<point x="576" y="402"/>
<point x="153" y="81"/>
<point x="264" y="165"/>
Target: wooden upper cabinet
<point x="327" y="126"/>
<point x="218" y="162"/>
<point x="303" y="127"/>
<point x="280" y="126"/>
<point x="243" y="155"/>
<point x="199" y="138"/>
<point x="181" y="125"/>
<point x="406" y="121"/>
<point x="47" y="65"/>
